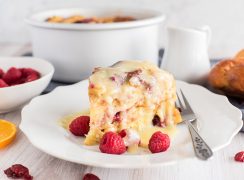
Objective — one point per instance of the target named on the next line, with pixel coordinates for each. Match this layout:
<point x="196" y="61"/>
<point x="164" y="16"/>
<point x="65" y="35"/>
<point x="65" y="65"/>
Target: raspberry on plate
<point x="239" y="156"/>
<point x="12" y="75"/>
<point x="80" y="126"/>
<point x="112" y="143"/>
<point x="159" y="142"/>
<point x="3" y="83"/>
<point x="122" y="133"/>
<point x="18" y="171"/>
<point x="117" y="117"/>
<point x="90" y="176"/>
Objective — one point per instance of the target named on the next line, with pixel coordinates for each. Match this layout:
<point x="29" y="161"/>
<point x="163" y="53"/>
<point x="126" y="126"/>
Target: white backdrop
<point x="225" y="17"/>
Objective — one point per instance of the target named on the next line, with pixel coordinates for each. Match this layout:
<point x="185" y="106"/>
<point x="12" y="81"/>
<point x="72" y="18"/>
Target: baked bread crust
<point x="131" y="95"/>
<point x="228" y="76"/>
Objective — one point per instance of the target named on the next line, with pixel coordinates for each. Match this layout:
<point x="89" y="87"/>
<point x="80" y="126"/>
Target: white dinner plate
<point x="218" y="122"/>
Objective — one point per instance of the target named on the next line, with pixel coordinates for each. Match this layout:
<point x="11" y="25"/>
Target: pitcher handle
<point x="208" y="31"/>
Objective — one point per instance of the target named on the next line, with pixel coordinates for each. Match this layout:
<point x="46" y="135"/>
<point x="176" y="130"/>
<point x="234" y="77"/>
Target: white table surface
<point x="45" y="167"/>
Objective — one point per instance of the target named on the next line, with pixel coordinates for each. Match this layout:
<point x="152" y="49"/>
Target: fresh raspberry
<point x="156" y="121"/>
<point x="159" y="142"/>
<point x="12" y="75"/>
<point x="122" y="133"/>
<point x="80" y="126"/>
<point x="117" y="117"/>
<point x="90" y="176"/>
<point x="239" y="156"/>
<point x="18" y="171"/>
<point x="29" y="74"/>
<point x="112" y="143"/>
<point x="3" y="83"/>
<point x="1" y="73"/>
<point x="28" y="71"/>
<point x="32" y="77"/>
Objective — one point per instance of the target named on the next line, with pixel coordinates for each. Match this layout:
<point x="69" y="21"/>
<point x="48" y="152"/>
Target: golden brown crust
<point x="82" y="19"/>
<point x="240" y="55"/>
<point x="236" y="79"/>
<point x="228" y="76"/>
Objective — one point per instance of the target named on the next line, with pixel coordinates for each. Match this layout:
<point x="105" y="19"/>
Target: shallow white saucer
<point x="219" y="121"/>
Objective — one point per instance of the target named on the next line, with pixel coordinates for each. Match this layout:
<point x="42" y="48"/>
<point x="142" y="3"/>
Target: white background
<point x="225" y="17"/>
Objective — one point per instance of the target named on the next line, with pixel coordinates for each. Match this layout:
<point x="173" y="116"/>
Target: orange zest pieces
<point x="7" y="133"/>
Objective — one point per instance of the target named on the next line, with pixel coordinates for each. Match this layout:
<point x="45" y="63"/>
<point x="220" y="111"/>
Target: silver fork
<point x="201" y="149"/>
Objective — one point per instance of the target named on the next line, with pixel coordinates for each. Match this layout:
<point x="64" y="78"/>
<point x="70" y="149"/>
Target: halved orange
<point x="7" y="133"/>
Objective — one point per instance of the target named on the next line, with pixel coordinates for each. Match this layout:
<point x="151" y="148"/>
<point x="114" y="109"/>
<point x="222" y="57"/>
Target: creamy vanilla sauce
<point x="66" y="120"/>
<point x="145" y="133"/>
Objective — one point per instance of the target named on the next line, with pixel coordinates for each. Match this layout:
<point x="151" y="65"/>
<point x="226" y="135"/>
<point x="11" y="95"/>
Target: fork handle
<point x="202" y="150"/>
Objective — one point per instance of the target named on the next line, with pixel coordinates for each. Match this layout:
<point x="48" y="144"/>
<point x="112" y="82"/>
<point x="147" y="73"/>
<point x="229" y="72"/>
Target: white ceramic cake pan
<point x="75" y="49"/>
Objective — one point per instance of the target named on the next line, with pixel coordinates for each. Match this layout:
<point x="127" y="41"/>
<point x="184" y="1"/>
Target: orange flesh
<point x="7" y="133"/>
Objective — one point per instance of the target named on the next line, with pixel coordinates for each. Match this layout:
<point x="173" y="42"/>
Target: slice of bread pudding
<point x="130" y="95"/>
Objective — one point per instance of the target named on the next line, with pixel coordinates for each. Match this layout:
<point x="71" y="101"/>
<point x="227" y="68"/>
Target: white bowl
<point x="13" y="97"/>
<point x="75" y="49"/>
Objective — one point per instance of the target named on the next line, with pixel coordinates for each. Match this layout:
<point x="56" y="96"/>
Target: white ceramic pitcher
<point x="186" y="55"/>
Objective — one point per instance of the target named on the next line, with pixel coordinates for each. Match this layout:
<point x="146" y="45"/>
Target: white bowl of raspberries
<point x="21" y="79"/>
